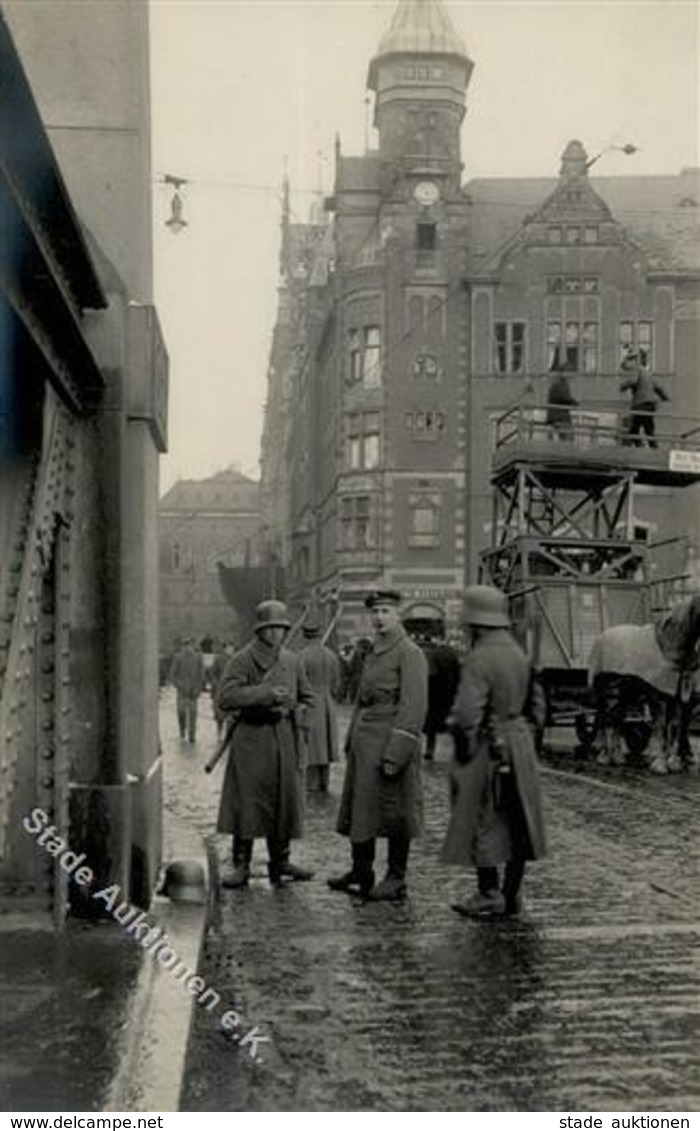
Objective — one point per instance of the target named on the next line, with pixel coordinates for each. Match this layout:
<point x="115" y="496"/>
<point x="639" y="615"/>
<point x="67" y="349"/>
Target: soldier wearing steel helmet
<point x="264" y="685"/>
<point x="496" y="817"/>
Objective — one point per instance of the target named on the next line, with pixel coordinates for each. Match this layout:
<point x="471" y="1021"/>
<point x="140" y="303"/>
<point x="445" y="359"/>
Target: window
<point x="426" y="425"/>
<point x="370" y="368"/>
<point x="364" y="360"/>
<point x="572" y="284"/>
<point x="426" y="237"/>
<point x="589" y="341"/>
<point x="639" y="336"/>
<point x="554" y="233"/>
<point x="572" y="347"/>
<point x="182" y="558"/>
<point x="355" y="356"/>
<point x="590" y="234"/>
<point x="573" y="235"/>
<point x="357" y="527"/>
<point x="425" y="520"/>
<point x="363" y="440"/>
<point x="426" y="367"/>
<point x="510" y="347"/>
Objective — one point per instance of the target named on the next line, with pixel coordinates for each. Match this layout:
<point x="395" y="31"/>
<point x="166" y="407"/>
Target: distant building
<point x="420" y="309"/>
<point x="204" y="525"/>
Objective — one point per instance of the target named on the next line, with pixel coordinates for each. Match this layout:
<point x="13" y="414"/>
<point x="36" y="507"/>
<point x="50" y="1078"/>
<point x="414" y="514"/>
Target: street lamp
<point x="628" y="149"/>
<point x="176" y="223"/>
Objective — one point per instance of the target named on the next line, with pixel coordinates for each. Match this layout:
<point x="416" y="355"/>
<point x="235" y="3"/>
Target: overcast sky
<point x="239" y="86"/>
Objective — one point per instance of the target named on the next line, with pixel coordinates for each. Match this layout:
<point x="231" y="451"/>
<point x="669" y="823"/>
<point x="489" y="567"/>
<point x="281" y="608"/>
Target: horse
<point x="645" y="684"/>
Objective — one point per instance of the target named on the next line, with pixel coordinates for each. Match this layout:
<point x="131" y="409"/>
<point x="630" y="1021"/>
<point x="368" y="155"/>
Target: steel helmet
<point x="272" y="614"/>
<point x="185" y="882"/>
<point x="485" y="607"/>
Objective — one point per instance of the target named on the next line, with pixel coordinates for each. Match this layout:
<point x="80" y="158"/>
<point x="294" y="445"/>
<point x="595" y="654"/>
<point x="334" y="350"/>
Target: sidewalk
<point x="90" y="1022"/>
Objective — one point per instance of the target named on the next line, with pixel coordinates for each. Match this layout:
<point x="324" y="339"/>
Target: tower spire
<point x="420" y="76"/>
<point x="423" y="26"/>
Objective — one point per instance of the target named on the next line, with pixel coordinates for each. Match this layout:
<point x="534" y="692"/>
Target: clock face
<point x="426" y="193"/>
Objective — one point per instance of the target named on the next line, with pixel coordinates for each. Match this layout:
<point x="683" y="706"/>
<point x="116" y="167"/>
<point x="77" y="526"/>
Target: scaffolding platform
<point x="564" y="540"/>
<point x="599" y="445"/>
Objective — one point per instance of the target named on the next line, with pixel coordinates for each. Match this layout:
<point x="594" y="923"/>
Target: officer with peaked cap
<point x="496" y="816"/>
<point x="382" y="788"/>
<point x="264" y="685"/>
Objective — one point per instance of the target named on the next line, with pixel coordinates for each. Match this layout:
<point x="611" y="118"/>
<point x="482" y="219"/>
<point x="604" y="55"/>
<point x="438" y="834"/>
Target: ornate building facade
<point x="421" y="308"/>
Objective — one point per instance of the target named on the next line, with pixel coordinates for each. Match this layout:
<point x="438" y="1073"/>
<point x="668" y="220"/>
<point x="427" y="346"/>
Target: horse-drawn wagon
<point x="568" y="550"/>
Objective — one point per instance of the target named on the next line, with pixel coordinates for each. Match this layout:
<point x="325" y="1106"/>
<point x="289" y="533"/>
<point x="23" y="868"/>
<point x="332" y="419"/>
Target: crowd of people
<point x="278" y="706"/>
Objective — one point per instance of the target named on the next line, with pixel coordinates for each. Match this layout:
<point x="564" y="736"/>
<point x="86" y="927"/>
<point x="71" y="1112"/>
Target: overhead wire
<point x="471" y="201"/>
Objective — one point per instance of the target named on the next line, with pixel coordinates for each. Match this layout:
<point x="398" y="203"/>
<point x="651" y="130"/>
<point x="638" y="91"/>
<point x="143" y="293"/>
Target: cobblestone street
<point x="588" y="1002"/>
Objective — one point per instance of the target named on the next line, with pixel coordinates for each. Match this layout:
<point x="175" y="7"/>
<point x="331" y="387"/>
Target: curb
<point x="152" y="1065"/>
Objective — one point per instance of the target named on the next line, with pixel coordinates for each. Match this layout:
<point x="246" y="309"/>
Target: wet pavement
<point x="65" y="1015"/>
<point x="588" y="1002"/>
<point x="89" y="1022"/>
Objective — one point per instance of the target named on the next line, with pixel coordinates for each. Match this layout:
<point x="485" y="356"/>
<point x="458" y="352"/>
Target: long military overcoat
<point x="322" y="669"/>
<point x="387" y="721"/>
<point x="494" y="821"/>
<point x="261" y="795"/>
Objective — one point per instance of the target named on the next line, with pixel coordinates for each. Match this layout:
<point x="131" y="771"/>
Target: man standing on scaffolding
<point x="646" y="394"/>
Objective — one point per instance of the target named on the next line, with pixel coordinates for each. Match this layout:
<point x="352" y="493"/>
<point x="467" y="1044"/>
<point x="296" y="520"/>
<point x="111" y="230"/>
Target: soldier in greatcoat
<point x="496" y="814"/>
<point x="382" y="787"/>
<point x="322" y="669"/>
<point x="264" y="686"/>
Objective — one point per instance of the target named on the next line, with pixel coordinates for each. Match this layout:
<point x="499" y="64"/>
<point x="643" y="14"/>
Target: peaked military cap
<point x="383" y="597"/>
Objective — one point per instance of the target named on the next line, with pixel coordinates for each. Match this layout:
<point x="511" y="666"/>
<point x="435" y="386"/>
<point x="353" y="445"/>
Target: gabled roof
<point x="657" y="212"/>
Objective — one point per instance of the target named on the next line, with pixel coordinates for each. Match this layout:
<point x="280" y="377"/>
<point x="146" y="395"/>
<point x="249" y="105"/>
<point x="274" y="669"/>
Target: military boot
<point x="280" y="868"/>
<point x="360" y="879"/>
<point x="393" y="887"/>
<point x="242" y="856"/>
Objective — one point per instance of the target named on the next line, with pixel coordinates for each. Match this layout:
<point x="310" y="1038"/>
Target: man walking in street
<point x="264" y="686"/>
<point x="382" y="787"/>
<point x="496" y="816"/>
<point x="646" y="394"/>
<point x="187" y="677"/>
<point x="322" y="669"/>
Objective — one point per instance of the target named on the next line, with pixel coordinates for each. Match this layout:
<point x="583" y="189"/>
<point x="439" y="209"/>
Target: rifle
<point x="221" y="748"/>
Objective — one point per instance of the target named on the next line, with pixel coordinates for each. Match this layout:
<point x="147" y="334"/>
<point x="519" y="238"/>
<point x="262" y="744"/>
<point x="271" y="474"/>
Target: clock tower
<point x="420" y="76"/>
